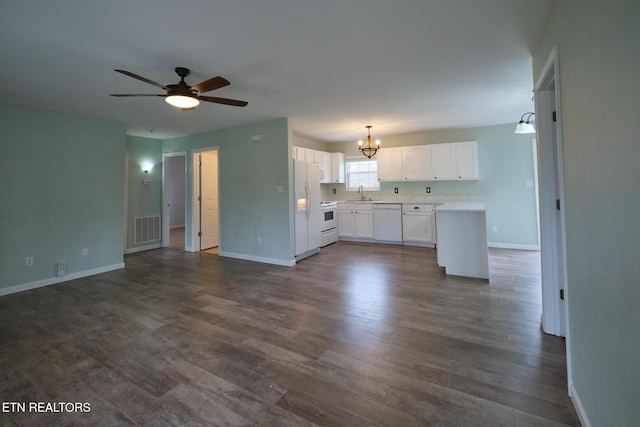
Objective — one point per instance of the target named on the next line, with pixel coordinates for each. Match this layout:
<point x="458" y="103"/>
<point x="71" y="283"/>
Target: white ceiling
<point x="333" y="66"/>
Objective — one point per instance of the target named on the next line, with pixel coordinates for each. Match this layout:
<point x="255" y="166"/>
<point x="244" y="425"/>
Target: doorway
<point x="206" y="227"/>
<point x="551" y="176"/>
<point x="174" y="199"/>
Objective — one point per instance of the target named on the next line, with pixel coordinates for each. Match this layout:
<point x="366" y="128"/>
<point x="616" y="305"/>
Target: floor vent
<point x="146" y="229"/>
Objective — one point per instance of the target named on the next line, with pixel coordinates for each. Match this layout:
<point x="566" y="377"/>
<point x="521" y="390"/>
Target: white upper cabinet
<point x="435" y="162"/>
<point x="337" y="167"/>
<point x="467" y="160"/>
<point x="416" y="163"/>
<point x="390" y="164"/>
<point x="325" y="167"/>
<point x="330" y="165"/>
<point x="443" y="162"/>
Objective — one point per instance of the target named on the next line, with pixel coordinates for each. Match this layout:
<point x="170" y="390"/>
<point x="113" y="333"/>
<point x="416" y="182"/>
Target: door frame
<point x="555" y="312"/>
<point x="165" y="196"/>
<point x="195" y="217"/>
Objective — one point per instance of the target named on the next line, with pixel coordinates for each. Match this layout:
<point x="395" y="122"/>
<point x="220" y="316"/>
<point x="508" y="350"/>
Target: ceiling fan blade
<point x="225" y="101"/>
<point x="136" y="94"/>
<point x="211" y="84"/>
<point x="144" y="79"/>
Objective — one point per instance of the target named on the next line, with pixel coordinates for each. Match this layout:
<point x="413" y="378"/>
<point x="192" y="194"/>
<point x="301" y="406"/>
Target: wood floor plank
<point x="360" y="334"/>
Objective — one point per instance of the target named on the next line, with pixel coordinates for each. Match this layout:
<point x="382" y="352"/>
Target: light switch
<point x="280" y="189"/>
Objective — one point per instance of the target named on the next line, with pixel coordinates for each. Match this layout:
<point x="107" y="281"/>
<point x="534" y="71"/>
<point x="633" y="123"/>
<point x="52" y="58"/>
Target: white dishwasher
<point x="387" y="222"/>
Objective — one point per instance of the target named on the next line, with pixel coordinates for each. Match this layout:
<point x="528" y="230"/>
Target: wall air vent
<point x="146" y="229"/>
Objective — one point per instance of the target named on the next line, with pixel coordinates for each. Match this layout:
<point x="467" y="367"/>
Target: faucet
<point x="361" y="191"/>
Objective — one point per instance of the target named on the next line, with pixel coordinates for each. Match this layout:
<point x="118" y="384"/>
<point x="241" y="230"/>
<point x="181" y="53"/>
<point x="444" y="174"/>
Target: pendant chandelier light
<point x="368" y="148"/>
<point x="525" y="127"/>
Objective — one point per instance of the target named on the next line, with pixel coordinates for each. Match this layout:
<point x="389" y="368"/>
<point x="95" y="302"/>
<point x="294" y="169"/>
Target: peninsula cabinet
<point x="418" y="225"/>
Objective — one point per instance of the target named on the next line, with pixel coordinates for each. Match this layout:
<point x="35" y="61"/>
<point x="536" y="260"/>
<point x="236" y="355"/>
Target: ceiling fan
<point x="182" y="95"/>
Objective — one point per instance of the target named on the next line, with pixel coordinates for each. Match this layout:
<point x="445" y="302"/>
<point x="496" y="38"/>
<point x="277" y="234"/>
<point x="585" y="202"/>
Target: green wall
<point x="143" y="200"/>
<point x="249" y="175"/>
<point x="505" y="165"/>
<point x="600" y="92"/>
<point x="62" y="180"/>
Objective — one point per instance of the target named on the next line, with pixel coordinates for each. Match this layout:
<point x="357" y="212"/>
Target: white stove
<point x="329" y="223"/>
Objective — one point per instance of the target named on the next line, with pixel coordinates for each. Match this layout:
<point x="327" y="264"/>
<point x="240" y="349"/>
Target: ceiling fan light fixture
<point x="182" y="101"/>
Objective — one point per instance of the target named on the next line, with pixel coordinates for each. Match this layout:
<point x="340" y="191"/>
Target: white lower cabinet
<point x="418" y="225"/>
<point x="355" y="221"/>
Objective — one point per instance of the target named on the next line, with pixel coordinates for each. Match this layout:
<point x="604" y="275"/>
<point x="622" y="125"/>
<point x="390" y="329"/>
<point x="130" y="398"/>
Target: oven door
<point x="329" y="219"/>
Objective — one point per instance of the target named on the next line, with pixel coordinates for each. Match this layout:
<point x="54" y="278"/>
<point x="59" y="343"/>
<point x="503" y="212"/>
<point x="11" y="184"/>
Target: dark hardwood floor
<point x="358" y="335"/>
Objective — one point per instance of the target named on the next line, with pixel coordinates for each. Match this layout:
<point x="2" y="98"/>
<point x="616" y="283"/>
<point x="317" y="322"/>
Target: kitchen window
<point x="362" y="172"/>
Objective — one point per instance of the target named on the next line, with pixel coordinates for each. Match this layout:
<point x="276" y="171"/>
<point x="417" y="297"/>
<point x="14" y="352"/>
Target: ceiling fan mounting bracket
<point x="182" y="72"/>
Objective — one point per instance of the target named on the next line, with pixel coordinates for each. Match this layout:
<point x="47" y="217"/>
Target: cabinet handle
<point x="416" y="207"/>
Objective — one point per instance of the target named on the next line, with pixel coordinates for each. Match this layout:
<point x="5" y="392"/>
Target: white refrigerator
<point x="306" y="177"/>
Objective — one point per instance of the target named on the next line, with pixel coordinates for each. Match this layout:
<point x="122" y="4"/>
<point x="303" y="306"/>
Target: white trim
<point x="513" y="246"/>
<point x="54" y="280"/>
<point x="165" y="207"/>
<point x="553" y="308"/>
<point x="254" y="258"/>
<point x="176" y="226"/>
<point x="577" y="404"/>
<point x="143" y="248"/>
<point x="125" y="228"/>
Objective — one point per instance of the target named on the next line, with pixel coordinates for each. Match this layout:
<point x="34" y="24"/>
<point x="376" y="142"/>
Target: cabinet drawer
<point x="417" y="207"/>
<point x="355" y="206"/>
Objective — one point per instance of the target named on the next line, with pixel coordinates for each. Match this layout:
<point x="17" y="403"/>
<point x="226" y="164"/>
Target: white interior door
<point x="209" y="199"/>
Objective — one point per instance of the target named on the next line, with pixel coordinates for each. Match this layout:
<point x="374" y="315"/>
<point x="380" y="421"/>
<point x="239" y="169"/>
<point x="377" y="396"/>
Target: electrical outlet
<point x="428" y="190"/>
<point x="334" y="191"/>
<point x="395" y="190"/>
<point x="85" y="251"/>
<point x="29" y="261"/>
<point x="494" y="228"/>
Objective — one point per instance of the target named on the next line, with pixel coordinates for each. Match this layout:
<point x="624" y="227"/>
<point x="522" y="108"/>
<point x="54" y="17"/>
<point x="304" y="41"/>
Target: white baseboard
<point x="577" y="404"/>
<point x="513" y="246"/>
<point x="143" y="248"/>
<point x="54" y="280"/>
<point x="264" y="260"/>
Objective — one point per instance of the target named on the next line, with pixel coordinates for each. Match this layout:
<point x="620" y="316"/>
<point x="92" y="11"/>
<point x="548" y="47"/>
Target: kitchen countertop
<point x="462" y="207"/>
<point x="413" y="199"/>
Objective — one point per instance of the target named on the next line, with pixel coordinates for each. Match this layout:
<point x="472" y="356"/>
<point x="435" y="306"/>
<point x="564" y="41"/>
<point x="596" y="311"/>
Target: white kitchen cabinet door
<point x="443" y="162"/>
<point x="416" y="163"/>
<point x="364" y="224"/>
<point x="390" y="164"/>
<point x="301" y="154"/>
<point x="467" y="160"/>
<point x="346" y="224"/>
<point x="325" y="168"/>
<point x="337" y="167"/>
